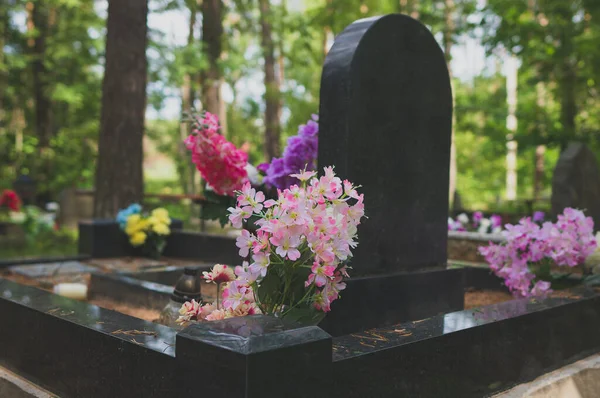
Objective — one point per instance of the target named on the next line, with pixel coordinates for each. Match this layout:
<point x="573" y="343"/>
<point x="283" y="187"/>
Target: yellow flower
<point x="134" y="219"/>
<point x="138" y="238"/>
<point x="162" y="215"/>
<point x="161" y="229"/>
<point x="135" y="224"/>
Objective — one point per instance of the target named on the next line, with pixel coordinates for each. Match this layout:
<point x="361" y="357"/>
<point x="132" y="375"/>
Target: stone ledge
<point x="14" y="386"/>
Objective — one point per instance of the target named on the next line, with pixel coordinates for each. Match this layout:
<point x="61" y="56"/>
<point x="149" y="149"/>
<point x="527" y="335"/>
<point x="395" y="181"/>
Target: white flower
<point x="52" y="206"/>
<point x="47" y="219"/>
<point x="484" y="226"/>
<point x="253" y="175"/>
<point x="463" y="218"/>
<point x="17" y="217"/>
<point x="497" y="230"/>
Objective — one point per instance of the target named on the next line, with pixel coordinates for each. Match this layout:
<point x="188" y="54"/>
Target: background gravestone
<point x="385" y="123"/>
<point x="576" y="182"/>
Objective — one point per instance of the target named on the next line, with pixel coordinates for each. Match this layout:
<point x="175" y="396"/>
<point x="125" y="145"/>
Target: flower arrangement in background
<point x="478" y="223"/>
<point x="300" y="154"/>
<point x="221" y="164"/>
<point x="226" y="169"/>
<point x="525" y="259"/>
<point x="10" y="201"/>
<point x="299" y="253"/>
<point x="146" y="231"/>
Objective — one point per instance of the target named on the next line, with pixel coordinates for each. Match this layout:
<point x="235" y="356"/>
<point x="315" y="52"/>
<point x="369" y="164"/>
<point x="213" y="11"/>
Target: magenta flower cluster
<point x="568" y="242"/>
<point x="478" y="223"/>
<point x="300" y="154"/>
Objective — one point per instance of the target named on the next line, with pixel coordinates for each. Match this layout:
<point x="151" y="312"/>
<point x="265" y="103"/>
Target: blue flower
<point x="124" y="214"/>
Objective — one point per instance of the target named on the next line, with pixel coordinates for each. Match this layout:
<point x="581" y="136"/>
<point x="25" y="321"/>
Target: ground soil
<point x="479" y="298"/>
<point x="136" y="312"/>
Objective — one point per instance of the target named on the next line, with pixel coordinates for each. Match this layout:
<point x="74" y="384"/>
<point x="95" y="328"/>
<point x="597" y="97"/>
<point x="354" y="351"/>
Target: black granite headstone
<point x="576" y="182"/>
<point x="385" y="123"/>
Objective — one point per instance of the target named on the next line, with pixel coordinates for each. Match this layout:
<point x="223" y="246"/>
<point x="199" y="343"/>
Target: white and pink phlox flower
<point x="245" y="242"/>
<point x="220" y="273"/>
<point x="320" y="275"/>
<point x="234" y="294"/>
<point x="260" y="264"/>
<point x="238" y="214"/>
<point x="217" y="315"/>
<point x="250" y="198"/>
<point x="305" y="175"/>
<point x="245" y="274"/>
<point x="189" y="310"/>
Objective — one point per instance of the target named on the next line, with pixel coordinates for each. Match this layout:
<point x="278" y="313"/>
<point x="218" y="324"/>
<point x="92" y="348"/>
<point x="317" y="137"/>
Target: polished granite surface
<point x="374" y="340"/>
<point x="146" y="334"/>
<point x="253" y="334"/>
<point x="51" y="269"/>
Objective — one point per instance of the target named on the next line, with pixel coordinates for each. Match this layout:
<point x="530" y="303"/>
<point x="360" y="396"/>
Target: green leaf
<point x="271" y="288"/>
<point x="305" y="315"/>
<point x="592" y="280"/>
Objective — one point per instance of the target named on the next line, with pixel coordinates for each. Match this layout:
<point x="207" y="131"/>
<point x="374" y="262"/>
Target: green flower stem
<point x="301" y="300"/>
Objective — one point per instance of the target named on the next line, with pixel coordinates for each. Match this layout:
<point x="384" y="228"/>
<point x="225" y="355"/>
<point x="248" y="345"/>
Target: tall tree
<point x="448" y="38"/>
<point x="272" y="84"/>
<point x="39" y="20"/>
<point x="185" y="169"/>
<point x="552" y="37"/>
<point x="119" y="174"/>
<point x="212" y="34"/>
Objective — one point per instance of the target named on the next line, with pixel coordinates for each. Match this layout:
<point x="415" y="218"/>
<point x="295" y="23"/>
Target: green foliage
<point x="47" y="243"/>
<point x="558" y="101"/>
<point x="72" y="83"/>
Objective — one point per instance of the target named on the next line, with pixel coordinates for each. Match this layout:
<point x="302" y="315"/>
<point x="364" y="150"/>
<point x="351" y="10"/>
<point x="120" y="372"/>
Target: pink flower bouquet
<point x="525" y="259"/>
<point x="299" y="253"/>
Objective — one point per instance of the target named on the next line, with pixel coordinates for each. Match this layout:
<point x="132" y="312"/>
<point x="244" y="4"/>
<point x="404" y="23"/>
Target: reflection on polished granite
<point x="381" y="338"/>
<point x="157" y="337"/>
<point x="75" y="349"/>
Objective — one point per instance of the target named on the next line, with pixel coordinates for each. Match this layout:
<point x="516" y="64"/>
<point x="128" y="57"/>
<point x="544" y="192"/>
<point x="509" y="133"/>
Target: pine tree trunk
<point x="272" y="94"/>
<point x="568" y="104"/>
<point x="3" y="73"/>
<point x="511" y="126"/>
<point x="39" y="14"/>
<point x="119" y="172"/>
<point x="212" y="32"/>
<point x="448" y="33"/>
<point x="185" y="168"/>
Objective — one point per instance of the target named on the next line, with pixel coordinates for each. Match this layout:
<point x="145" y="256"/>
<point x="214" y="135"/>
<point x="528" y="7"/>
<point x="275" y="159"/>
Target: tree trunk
<point x="119" y="172"/>
<point x="448" y="33"/>
<point x="538" y="183"/>
<point x="327" y="30"/>
<point x="184" y="166"/>
<point x="272" y="95"/>
<point x="511" y="126"/>
<point x="3" y="73"/>
<point x="39" y="14"/>
<point x="212" y="32"/>
<point x="568" y="104"/>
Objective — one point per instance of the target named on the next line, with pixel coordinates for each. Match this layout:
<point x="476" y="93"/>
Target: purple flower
<point x="538" y="216"/>
<point x="496" y="221"/>
<point x="568" y="242"/>
<point x="300" y="153"/>
<point x="263" y="167"/>
<point x="477" y="216"/>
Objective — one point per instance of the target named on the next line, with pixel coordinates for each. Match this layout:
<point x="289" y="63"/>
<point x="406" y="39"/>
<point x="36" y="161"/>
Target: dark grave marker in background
<point x="576" y="182"/>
